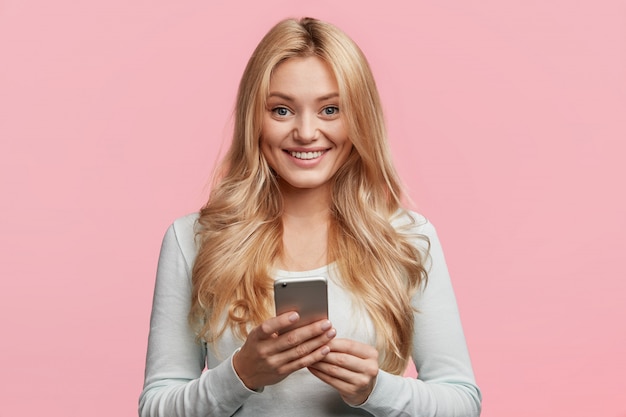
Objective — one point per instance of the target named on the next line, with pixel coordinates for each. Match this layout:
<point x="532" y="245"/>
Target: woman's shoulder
<point x="411" y="222"/>
<point x="186" y="224"/>
<point x="183" y="231"/>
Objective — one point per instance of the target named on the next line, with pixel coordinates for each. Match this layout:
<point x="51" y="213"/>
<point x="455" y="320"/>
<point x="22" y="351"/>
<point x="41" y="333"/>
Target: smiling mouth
<point x="306" y="155"/>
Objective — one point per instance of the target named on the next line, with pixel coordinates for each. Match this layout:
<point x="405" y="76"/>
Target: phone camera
<point x="284" y="284"/>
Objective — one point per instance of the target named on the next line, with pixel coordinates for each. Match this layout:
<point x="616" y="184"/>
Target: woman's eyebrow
<point x="289" y="98"/>
<point x="281" y="95"/>
<point x="328" y="97"/>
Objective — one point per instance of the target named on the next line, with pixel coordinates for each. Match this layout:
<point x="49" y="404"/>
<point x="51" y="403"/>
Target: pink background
<point x="507" y="121"/>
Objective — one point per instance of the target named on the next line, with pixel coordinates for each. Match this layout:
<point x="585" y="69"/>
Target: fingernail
<point x="294" y="317"/>
<point x="326" y="325"/>
<point x="325" y="350"/>
<point x="331" y="333"/>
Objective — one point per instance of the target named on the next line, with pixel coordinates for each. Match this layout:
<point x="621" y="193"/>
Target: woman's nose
<point x="306" y="129"/>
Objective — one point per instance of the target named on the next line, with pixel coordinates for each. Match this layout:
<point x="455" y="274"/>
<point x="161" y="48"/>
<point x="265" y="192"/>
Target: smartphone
<point x="307" y="296"/>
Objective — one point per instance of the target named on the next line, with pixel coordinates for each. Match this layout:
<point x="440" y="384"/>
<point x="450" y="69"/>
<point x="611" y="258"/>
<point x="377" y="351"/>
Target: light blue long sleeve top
<point x="185" y="379"/>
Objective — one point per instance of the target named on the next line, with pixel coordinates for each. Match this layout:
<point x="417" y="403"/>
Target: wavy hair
<point x="240" y="228"/>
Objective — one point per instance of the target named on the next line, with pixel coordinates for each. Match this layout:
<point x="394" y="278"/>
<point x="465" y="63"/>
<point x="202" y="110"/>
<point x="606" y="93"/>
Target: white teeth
<point x="306" y="155"/>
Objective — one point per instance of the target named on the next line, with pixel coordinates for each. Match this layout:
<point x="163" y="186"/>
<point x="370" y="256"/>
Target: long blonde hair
<point x="240" y="228"/>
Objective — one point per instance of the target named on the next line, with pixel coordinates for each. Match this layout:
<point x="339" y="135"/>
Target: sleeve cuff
<point x="224" y="383"/>
<point x="232" y="367"/>
<point x="378" y="395"/>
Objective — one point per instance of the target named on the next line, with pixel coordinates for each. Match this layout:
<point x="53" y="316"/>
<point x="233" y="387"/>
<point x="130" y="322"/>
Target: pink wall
<point x="508" y="123"/>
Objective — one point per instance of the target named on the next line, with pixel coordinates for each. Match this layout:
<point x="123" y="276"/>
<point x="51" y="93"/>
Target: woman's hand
<point x="351" y="368"/>
<point x="268" y="357"/>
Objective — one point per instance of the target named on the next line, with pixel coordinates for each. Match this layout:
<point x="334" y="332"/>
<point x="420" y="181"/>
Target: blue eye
<point x="281" y="111"/>
<point x="331" y="110"/>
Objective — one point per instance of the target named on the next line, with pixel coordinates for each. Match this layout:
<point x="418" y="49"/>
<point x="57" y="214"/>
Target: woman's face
<point x="304" y="137"/>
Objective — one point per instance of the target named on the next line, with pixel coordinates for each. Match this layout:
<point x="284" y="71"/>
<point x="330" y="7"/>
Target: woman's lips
<point x="306" y="155"/>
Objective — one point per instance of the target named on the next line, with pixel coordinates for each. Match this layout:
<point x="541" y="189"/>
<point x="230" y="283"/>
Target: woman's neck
<point x="306" y="204"/>
<point x="306" y="218"/>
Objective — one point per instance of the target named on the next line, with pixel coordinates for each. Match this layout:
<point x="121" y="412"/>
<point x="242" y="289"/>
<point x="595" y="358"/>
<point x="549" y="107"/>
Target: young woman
<point x="307" y="189"/>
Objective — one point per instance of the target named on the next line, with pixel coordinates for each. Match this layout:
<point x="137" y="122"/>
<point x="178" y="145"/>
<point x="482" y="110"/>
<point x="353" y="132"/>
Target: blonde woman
<point x="307" y="188"/>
